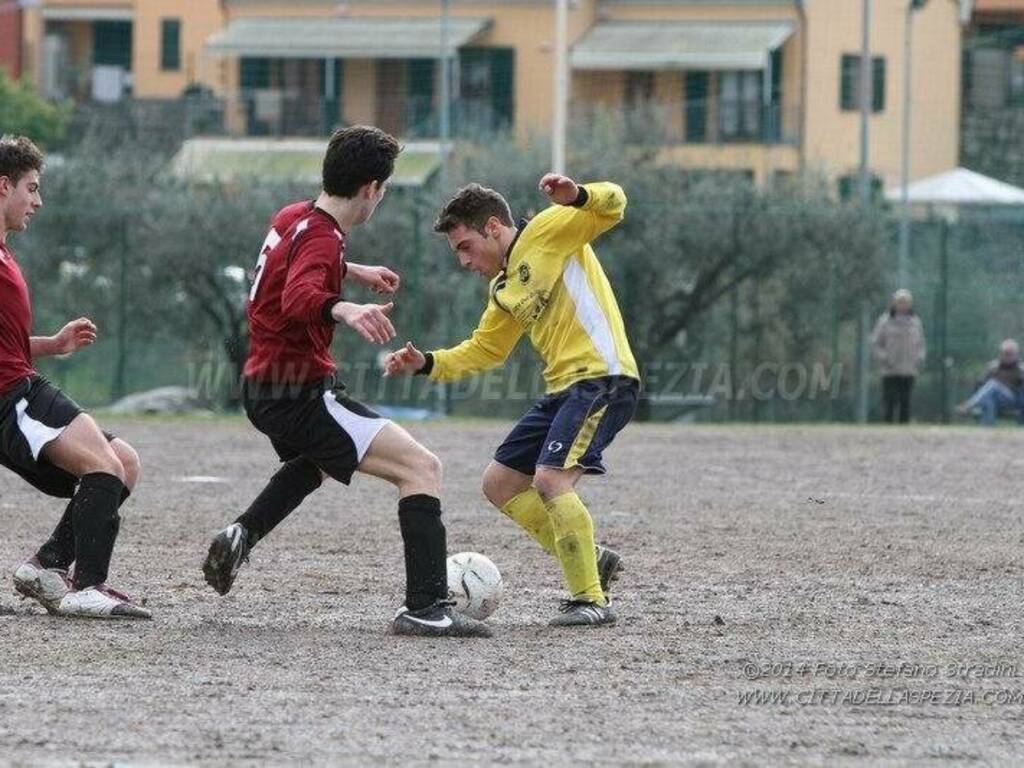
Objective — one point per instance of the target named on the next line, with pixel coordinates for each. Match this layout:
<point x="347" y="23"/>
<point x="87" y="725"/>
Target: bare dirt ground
<point x="895" y="556"/>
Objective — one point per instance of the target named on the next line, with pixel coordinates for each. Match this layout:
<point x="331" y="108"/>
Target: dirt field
<point x="886" y="555"/>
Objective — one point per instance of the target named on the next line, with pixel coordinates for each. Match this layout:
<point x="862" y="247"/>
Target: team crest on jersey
<point x="524" y="273"/>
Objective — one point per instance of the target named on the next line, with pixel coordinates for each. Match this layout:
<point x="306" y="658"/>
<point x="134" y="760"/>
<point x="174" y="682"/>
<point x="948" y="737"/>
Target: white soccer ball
<point x="474" y="583"/>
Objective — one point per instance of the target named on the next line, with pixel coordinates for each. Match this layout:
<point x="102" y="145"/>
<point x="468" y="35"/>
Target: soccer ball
<point x="474" y="583"/>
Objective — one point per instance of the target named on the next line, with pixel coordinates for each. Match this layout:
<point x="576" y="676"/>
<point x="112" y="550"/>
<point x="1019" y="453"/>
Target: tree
<point x="24" y="112"/>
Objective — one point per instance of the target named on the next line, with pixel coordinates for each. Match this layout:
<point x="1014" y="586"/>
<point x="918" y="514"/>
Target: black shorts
<point x="317" y="421"/>
<point x="571" y="428"/>
<point x="33" y="414"/>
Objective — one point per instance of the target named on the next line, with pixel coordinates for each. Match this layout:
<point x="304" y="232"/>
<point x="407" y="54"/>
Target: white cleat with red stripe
<point x="100" y="602"/>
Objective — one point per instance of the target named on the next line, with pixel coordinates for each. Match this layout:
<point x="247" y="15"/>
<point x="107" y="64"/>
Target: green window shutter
<point x="878" y="84"/>
<point x="845" y="187"/>
<point x="696" y="106"/>
<point x="773" y="120"/>
<point x="112" y="43"/>
<point x="848" y="76"/>
<point x="849" y="187"/>
<point x="170" y="44"/>
<point x="419" y="85"/>
<point x="254" y="73"/>
<point x="777" y="76"/>
<point x="503" y="64"/>
<point x="486" y="100"/>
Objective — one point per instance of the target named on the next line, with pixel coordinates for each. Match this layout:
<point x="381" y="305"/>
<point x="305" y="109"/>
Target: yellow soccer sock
<point x="574" y="543"/>
<point x="529" y="512"/>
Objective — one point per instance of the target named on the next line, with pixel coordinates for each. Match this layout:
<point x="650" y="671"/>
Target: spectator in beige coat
<point x="898" y="345"/>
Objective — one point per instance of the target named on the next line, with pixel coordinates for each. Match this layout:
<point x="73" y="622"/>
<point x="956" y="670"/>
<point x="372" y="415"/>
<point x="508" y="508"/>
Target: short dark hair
<point x="356" y="156"/>
<point x="472" y="206"/>
<point x="18" y="156"/>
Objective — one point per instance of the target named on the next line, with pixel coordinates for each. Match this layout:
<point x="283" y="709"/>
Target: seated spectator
<point x="1001" y="389"/>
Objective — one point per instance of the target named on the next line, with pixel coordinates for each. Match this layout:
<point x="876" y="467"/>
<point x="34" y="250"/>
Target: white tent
<point x="958" y="187"/>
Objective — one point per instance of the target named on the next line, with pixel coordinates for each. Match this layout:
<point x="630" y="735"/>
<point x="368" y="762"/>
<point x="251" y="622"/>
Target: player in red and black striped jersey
<point x="46" y="438"/>
<point x="291" y="395"/>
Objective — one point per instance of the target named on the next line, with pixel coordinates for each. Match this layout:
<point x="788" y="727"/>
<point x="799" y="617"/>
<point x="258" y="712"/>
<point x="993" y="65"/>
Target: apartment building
<point x="760" y="87"/>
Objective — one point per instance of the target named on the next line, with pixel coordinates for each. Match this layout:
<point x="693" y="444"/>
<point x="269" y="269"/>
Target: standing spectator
<point x="898" y="344"/>
<point x="1001" y="388"/>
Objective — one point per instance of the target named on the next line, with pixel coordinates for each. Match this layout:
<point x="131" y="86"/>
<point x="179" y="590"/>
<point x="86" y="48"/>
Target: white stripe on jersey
<point x="591" y="316"/>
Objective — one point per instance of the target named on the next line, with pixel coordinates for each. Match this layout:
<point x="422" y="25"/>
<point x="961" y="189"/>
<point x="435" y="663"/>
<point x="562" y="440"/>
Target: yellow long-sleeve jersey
<point x="553" y="287"/>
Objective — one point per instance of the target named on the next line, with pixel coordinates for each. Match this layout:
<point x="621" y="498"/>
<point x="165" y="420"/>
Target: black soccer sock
<point x="59" y="550"/>
<point x="293" y="482"/>
<point x="96" y="522"/>
<point x="426" y="549"/>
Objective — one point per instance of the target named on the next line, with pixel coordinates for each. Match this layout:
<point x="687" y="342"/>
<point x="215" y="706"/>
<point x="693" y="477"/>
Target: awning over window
<point x="209" y="160"/>
<point x="658" y="45"/>
<point x="313" y="38"/>
<point x="87" y="13"/>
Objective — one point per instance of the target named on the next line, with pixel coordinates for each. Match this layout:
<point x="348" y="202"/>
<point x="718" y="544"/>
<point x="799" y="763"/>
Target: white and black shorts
<point x="316" y="421"/>
<point x="33" y="414"/>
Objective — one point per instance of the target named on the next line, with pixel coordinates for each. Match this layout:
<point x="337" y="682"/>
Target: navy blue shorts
<point x="571" y="428"/>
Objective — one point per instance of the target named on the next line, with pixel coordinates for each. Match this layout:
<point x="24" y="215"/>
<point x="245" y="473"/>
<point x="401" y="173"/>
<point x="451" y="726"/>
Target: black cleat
<point x="229" y="549"/>
<point x="437" y="620"/>
<point x="580" y="613"/>
<point x="609" y="563"/>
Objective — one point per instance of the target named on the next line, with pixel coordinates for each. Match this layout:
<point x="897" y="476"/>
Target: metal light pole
<point x="561" y="93"/>
<point x="865" y="199"/>
<point x="865" y="104"/>
<point x="904" y="253"/>
<point x="445" y="125"/>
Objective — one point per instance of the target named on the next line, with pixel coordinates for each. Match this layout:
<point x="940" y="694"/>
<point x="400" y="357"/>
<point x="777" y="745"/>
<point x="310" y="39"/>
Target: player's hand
<point x="369" y="320"/>
<point x="377" y="279"/>
<point x="73" y="336"/>
<point x="405" y="361"/>
<point x="560" y="189"/>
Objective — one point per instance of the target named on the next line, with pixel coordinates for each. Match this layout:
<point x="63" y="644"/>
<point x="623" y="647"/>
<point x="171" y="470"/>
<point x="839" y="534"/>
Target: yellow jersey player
<point x="546" y="282"/>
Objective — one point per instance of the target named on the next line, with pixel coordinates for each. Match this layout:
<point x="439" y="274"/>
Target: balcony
<point x="703" y="122"/>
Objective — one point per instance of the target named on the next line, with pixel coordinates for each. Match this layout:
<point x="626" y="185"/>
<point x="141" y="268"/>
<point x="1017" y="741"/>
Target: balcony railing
<point x="706" y="121"/>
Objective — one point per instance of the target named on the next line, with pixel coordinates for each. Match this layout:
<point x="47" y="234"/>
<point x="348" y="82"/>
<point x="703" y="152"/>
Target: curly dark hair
<point x="472" y="206"/>
<point x="18" y="156"/>
<point x="356" y="156"/>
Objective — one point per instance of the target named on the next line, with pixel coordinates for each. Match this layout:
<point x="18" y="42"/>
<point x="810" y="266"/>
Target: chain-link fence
<point x="743" y="301"/>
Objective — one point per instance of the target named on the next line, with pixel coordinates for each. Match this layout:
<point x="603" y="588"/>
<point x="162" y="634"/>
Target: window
<point x="993" y="77"/>
<point x="696" y="106"/>
<point x="849" y="80"/>
<point x="170" y="45"/>
<point x="421" y="118"/>
<point x="639" y="89"/>
<point x="112" y="43"/>
<point x="739" y="105"/>
<point x="486" y="85"/>
<point x="849" y="187"/>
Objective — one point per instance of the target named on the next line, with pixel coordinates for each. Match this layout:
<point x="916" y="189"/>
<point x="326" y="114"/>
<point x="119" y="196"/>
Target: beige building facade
<point x="760" y="87"/>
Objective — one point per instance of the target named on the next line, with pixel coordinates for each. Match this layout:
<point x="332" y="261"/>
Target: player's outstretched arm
<point x="560" y="189"/>
<point x="579" y="214"/>
<point x="72" y="337"/>
<point x="368" y="320"/>
<point x="377" y="279"/>
<point x="404" y="362"/>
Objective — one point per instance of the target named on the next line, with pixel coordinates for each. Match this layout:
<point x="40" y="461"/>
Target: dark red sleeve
<point x="313" y="278"/>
